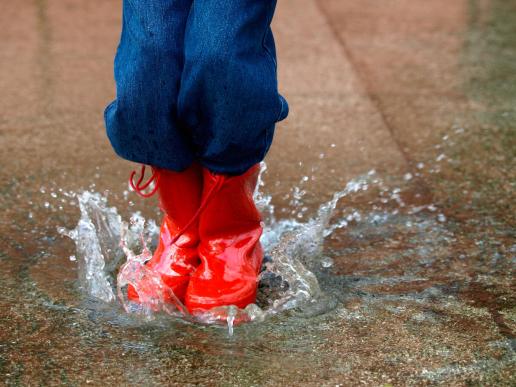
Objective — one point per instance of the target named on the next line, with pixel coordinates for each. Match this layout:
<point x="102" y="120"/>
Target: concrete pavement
<point x="418" y="91"/>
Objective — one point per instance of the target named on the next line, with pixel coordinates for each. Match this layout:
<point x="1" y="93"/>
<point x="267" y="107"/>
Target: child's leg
<point x="230" y="102"/>
<point x="228" y="97"/>
<point x="142" y="121"/>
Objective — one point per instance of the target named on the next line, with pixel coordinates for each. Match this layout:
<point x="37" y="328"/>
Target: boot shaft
<point x="180" y="196"/>
<point x="231" y="210"/>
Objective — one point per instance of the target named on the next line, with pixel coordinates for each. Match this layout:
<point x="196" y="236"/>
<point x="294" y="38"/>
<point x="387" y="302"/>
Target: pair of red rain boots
<point x="209" y="251"/>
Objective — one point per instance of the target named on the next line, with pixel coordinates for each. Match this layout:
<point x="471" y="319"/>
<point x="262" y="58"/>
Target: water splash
<point x="293" y="253"/>
<point x="95" y="237"/>
<point x="146" y="283"/>
<point x="98" y="237"/>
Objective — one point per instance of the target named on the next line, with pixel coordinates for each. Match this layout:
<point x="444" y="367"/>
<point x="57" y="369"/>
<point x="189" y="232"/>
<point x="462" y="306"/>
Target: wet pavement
<point x="420" y="269"/>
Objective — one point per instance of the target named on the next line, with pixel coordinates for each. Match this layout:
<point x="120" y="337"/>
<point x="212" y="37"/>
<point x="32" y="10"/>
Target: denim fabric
<point x="196" y="80"/>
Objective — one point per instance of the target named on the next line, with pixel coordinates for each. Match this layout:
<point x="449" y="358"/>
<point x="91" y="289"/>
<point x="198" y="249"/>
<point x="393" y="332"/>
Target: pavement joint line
<point x="411" y="164"/>
<point x="352" y="60"/>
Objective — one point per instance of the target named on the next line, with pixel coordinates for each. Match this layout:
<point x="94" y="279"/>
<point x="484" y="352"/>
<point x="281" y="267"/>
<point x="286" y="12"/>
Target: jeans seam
<point x="269" y="21"/>
<point x="270" y="57"/>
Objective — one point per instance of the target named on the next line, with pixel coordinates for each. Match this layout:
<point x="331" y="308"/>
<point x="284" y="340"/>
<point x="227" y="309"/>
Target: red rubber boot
<point x="176" y="255"/>
<point x="230" y="250"/>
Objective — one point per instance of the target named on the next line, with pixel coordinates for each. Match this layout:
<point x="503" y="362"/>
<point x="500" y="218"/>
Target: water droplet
<point x="326" y="262"/>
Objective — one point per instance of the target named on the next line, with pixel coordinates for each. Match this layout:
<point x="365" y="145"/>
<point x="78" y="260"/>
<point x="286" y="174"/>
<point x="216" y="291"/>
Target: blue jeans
<point x="196" y="81"/>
